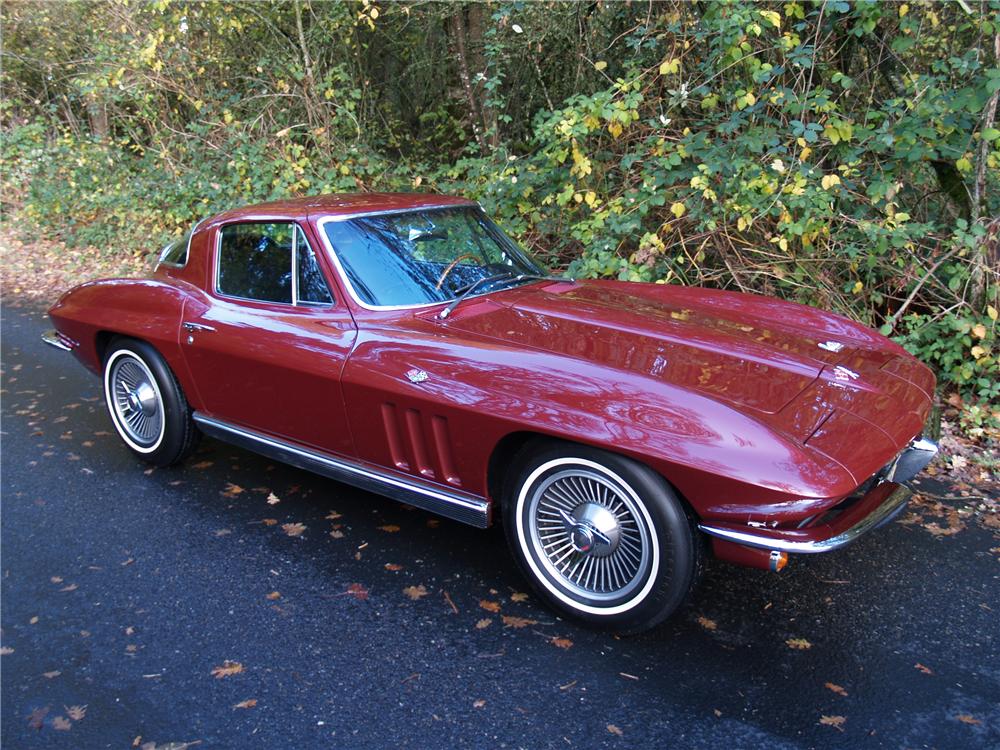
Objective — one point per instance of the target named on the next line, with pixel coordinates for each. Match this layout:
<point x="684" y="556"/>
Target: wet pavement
<point x="239" y="603"/>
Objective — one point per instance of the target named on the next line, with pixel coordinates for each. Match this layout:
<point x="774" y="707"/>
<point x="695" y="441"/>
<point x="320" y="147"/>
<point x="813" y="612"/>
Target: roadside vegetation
<point x="842" y="154"/>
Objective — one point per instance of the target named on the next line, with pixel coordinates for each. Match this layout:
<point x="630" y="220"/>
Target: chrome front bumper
<point x="884" y="496"/>
<point x="52" y="337"/>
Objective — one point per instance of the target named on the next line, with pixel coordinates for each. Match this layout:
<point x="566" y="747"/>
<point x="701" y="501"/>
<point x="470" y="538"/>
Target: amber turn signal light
<point x="778" y="560"/>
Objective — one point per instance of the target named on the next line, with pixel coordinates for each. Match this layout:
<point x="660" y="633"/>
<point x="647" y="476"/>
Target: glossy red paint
<point x="756" y="410"/>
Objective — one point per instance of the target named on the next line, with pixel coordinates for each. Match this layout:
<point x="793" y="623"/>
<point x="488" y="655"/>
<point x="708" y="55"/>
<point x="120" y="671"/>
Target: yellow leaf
<point x="600" y="64"/>
<point x="373" y="13"/>
<point x="829" y="181"/>
<point x="742" y="223"/>
<point x="858" y="286"/>
<point x="991" y="311"/>
<point x="805" y="153"/>
<point x="668" y="67"/>
<point x="977" y="351"/>
<point x="979" y="331"/>
<point x="798" y="643"/>
<point x="837" y="722"/>
<point x="615" y="128"/>
<point x="590" y="197"/>
<point x="771" y="17"/>
<point x="903" y="10"/>
<point x="677" y="209"/>
<point x="228" y="669"/>
<point x="783" y="244"/>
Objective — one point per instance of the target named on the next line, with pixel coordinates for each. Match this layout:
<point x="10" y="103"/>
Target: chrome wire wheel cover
<point x="134" y="398"/>
<point x="589" y="534"/>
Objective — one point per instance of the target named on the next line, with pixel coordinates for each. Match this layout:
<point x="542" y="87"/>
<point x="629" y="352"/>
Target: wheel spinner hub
<point x="592" y="529"/>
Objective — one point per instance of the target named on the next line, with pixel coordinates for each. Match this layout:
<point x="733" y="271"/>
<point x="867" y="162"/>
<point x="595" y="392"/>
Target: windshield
<point x="423" y="257"/>
<point x="175" y="253"/>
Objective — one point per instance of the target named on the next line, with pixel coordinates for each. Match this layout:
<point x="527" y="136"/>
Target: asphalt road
<point x="124" y="588"/>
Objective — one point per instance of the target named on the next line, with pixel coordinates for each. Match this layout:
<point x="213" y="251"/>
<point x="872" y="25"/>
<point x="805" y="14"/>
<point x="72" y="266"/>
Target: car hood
<point x="791" y="365"/>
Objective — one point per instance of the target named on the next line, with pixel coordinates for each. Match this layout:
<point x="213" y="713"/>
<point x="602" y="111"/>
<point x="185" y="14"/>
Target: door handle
<point x="192" y="327"/>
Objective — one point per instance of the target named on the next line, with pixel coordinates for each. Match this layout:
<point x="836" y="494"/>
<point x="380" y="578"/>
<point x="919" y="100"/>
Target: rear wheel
<point x="146" y="404"/>
<point x="603" y="538"/>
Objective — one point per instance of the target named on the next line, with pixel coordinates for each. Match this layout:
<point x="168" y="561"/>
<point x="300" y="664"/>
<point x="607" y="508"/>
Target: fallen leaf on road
<point x="76" y="713"/>
<point x="293" y="529"/>
<point x="489" y="606"/>
<point x="517" y="596"/>
<point x="615" y="730"/>
<point x="393" y="567"/>
<point x="837" y="722"/>
<point x="33" y="620"/>
<point x="274" y="595"/>
<point x="389" y="527"/>
<point x="228" y="669"/>
<point x="199" y="465"/>
<point x="223" y="532"/>
<point x="250" y="703"/>
<point x="835" y="688"/>
<point x="332" y="515"/>
<point x="61" y="723"/>
<point x="37" y="717"/>
<point x="270" y="522"/>
<point x="357" y="591"/>
<point x="56" y="579"/>
<point x="966" y="719"/>
<point x="799" y="643"/>
<point x="433" y="523"/>
<point x="561" y="642"/>
<point x="478" y="703"/>
<point x="707" y="624"/>
<point x="273" y="499"/>
<point x="71" y="587"/>
<point x="517" y="622"/>
<point x="415" y="592"/>
<point x="51" y="675"/>
<point x="337" y="534"/>
<point x="922" y="668"/>
<point x="5" y="650"/>
<point x="232" y="490"/>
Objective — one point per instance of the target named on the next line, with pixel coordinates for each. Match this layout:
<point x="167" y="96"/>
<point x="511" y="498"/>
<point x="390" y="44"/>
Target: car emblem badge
<point x="416" y="376"/>
<point x="831" y="346"/>
<point x="842" y="373"/>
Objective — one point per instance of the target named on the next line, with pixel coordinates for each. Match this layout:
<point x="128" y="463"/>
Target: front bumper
<point x="884" y="497"/>
<point x="52" y="337"/>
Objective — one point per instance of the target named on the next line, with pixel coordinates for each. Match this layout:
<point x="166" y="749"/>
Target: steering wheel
<point x="451" y="267"/>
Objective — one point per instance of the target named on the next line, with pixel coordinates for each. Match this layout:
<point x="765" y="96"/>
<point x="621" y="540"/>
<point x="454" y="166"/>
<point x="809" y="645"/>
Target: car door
<point x="267" y="345"/>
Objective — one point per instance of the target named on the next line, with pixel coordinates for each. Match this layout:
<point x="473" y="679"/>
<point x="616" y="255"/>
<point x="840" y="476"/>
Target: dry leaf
<point x="966" y="719"/>
<point x="5" y="650"/>
<point x="76" y="713"/>
<point x="273" y="499"/>
<point x="332" y="515"/>
<point x="489" y="606"/>
<point x="799" y="643"/>
<point x="517" y="596"/>
<point x="337" y="534"/>
<point x="270" y="522"/>
<point x="390" y="527"/>
<point x="274" y="595"/>
<point x="836" y="688"/>
<point x="517" y="622"/>
<point x="393" y="567"/>
<point x="51" y="675"/>
<point x="33" y="620"/>
<point x="415" y="592"/>
<point x="433" y="523"/>
<point x="478" y="703"/>
<point x="250" y="703"/>
<point x="615" y="730"/>
<point x="922" y="668"/>
<point x="61" y="723"/>
<point x="484" y="623"/>
<point x="561" y="642"/>
<point x="707" y="624"/>
<point x="357" y="591"/>
<point x="199" y="465"/>
<point x="37" y="717"/>
<point x="56" y="579"/>
<point x="293" y="529"/>
<point x="71" y="587"/>
<point x="837" y="722"/>
<point x="228" y="669"/>
<point x="232" y="490"/>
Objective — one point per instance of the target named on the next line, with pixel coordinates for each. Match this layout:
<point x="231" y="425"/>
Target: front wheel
<point x="146" y="404"/>
<point x="601" y="537"/>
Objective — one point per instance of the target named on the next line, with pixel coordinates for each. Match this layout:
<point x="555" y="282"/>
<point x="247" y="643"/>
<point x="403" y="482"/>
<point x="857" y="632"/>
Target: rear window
<point x="176" y="252"/>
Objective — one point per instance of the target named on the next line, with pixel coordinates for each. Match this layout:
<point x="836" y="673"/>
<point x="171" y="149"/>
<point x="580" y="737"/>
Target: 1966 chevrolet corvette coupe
<point x="404" y="344"/>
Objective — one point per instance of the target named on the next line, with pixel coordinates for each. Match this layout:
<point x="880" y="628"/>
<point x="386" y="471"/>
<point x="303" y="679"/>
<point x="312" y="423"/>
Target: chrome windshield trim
<point x="52" y="337"/>
<point x="894" y="503"/>
<point x="391" y="211"/>
<point x="454" y="504"/>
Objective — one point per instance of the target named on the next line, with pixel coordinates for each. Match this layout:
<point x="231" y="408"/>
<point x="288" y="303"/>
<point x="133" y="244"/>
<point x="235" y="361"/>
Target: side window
<point x="312" y="286"/>
<point x="176" y="252"/>
<point x="269" y="263"/>
<point x="255" y="262"/>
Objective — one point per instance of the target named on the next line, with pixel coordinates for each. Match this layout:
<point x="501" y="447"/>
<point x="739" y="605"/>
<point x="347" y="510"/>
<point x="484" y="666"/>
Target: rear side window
<point x="269" y="263"/>
<point x="176" y="253"/>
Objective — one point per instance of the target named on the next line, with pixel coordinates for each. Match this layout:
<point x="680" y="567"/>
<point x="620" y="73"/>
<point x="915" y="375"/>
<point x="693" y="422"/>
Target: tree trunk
<point x="458" y="29"/>
<point x="980" y="260"/>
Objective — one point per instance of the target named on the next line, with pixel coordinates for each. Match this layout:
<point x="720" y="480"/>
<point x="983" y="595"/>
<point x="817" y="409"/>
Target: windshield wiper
<point x="497" y="277"/>
<point x="469" y="290"/>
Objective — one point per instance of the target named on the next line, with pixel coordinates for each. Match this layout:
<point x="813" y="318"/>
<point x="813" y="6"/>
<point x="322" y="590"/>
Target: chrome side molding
<point x="459" y="506"/>
<point x="52" y="337"/>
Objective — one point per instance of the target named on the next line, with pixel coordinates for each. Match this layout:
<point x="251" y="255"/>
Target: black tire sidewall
<point x="677" y="548"/>
<point x="176" y="413"/>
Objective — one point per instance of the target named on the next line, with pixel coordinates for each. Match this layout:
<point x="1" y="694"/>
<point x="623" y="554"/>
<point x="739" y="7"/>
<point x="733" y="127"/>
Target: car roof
<point x="340" y="204"/>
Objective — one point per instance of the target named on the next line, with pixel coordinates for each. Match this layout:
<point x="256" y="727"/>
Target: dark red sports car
<point x="406" y="345"/>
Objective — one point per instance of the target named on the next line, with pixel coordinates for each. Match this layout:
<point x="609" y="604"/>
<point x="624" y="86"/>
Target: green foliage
<point x="841" y="154"/>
